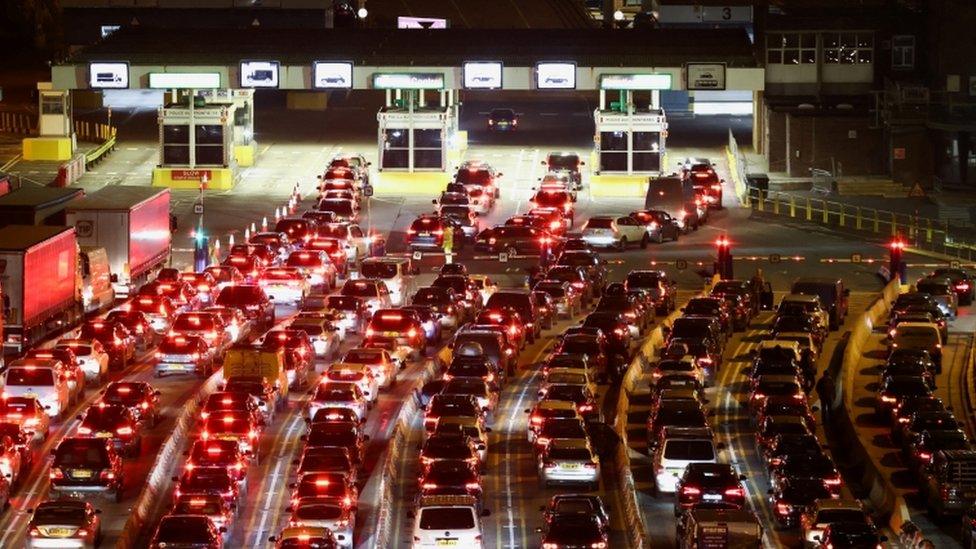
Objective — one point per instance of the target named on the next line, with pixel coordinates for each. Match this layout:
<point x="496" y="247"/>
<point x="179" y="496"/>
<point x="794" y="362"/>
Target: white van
<point x="39" y="379"/>
<point x="678" y="449"/>
<point x="448" y="521"/>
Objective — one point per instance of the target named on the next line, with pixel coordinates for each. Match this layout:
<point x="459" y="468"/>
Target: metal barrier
<point x="17" y="122"/>
<point x="920" y="232"/>
<point x="737" y="169"/>
<point x="99" y="133"/>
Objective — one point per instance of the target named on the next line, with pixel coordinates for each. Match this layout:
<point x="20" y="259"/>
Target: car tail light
<point x="429" y="485"/>
<point x="585" y="408"/>
<point x="205" y="435"/>
<point x="34" y="532"/>
<point x="124" y="431"/>
<point x="84" y="430"/>
<point x="925" y="456"/>
<point x="107" y="475"/>
<point x="888" y="399"/>
<point x="690" y="491"/>
<point x="773" y="462"/>
<point x="832" y="481"/>
<point x="542" y="441"/>
<point x="590" y="465"/>
<point x="962" y="286"/>
<point x="252" y="434"/>
<point x="536" y="420"/>
<point x="783" y="508"/>
<point x="56" y="473"/>
<point x="736" y="492"/>
<point x="903" y="419"/>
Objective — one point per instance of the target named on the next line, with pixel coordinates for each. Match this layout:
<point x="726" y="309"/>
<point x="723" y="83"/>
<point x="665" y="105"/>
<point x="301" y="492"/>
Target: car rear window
<point x="378" y="269"/>
<point x="570" y="453"/>
<point x="599" y="223"/>
<point x="426" y="224"/>
<point x="30" y="376"/>
<point x="80" y="452"/>
<point x="691" y="450"/>
<point x="304" y="259"/>
<point x="193" y="322"/>
<point x="60" y="513"/>
<point x="343" y="303"/>
<point x="359" y="288"/>
<point x="447" y="518"/>
<point x="474" y="176"/>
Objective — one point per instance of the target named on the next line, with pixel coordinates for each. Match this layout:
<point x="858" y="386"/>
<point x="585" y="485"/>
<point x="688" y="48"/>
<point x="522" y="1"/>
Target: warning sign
<point x="898" y="153"/>
<point x="917" y="191"/>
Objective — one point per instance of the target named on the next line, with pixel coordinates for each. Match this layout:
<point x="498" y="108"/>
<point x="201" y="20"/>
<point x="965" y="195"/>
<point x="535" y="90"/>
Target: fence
<point x="97" y="133"/>
<point x="920" y="232"/>
<point x="737" y="168"/>
<point x="17" y="122"/>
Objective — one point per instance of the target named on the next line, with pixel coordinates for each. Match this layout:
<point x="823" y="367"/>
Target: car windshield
<point x="319" y="511"/>
<point x="337" y="205"/>
<point x="29" y="375"/>
<point x="378" y="269"/>
<point x="447" y="518"/>
<point x="198" y="506"/>
<point x="579" y="454"/>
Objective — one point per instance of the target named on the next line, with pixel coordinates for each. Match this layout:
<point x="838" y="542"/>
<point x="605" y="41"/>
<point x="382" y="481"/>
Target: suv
<point x="448" y="520"/>
<point x="86" y="465"/>
<point x="566" y="162"/>
<point x="523" y="303"/>
<point x="664" y="292"/>
<point x="949" y="485"/>
<point x="250" y="299"/>
<point x="427" y="233"/>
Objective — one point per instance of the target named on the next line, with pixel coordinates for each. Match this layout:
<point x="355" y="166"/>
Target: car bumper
<point x="284" y="295"/>
<point x="83" y="488"/>
<point x="177" y="368"/>
<point x="159" y="324"/>
<point x="600" y="240"/>
<point x="666" y="482"/>
<point x="91" y="368"/>
<point x="59" y="543"/>
<point x="570" y="476"/>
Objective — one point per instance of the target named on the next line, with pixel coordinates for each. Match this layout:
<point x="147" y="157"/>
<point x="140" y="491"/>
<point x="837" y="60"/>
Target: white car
<point x="320" y="512"/>
<point x="615" y="231"/>
<point x="91" y="355"/>
<point x="40" y="379"/>
<point x="677" y="452"/>
<point x="395" y="272"/>
<point x="323" y="335"/>
<point x="448" y="521"/>
<point x="353" y="238"/>
<point x="373" y="292"/>
<point x="382" y="364"/>
<point x="569" y="461"/>
<point x="338" y="395"/>
<point x="360" y="374"/>
<point x="284" y="285"/>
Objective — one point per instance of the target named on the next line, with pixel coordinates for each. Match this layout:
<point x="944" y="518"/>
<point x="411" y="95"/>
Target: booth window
<point x="848" y="48"/>
<point x="903" y="52"/>
<point x="613" y="151"/>
<point x="52" y="104"/>
<point x="176" y="144"/>
<point x="427" y="149"/>
<point x="647" y="151"/>
<point x="396" y="149"/>
<point x="210" y="144"/>
<point x="791" y="48"/>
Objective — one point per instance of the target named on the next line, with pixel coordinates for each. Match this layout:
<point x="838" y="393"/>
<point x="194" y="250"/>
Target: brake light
<point x="107" y="475"/>
<point x="124" y="431"/>
<point x="925" y="456"/>
<point x="737" y="492"/>
<point x="84" y="430"/>
<point x="783" y="508"/>
<point x="690" y="491"/>
<point x="472" y="486"/>
<point x="962" y="286"/>
<point x="56" y="473"/>
<point x="542" y="441"/>
<point x="536" y="420"/>
<point x="832" y="481"/>
<point x="429" y="485"/>
<point x="888" y="399"/>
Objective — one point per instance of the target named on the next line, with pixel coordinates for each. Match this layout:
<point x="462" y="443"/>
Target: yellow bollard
<point x="792" y="206"/>
<point x="877" y="222"/>
<point x="894" y="224"/>
<point x="826" y="216"/>
<point x="776" y="206"/>
<point x="857" y="217"/>
<point x="928" y="230"/>
<point x="841" y="221"/>
<point x="809" y="210"/>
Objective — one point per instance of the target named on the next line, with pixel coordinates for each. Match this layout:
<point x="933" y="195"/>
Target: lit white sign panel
<point x="408" y="81"/>
<point x="108" y="75"/>
<point x="183" y="80"/>
<point x="421" y="23"/>
<point x="635" y="81"/>
<point x="482" y="75"/>
<point x="259" y="74"/>
<point x="555" y="76"/>
<point x="332" y="75"/>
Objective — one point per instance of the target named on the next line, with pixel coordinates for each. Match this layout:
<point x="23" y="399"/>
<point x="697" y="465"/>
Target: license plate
<point x="227" y="437"/>
<point x="969" y="495"/>
<point x="447" y="542"/>
<point x="391" y="334"/>
<point x="570" y="466"/>
<point x="30" y="395"/>
<point x="103" y="435"/>
<point x="81" y="473"/>
<point x="423" y="234"/>
<point x="60" y="532"/>
<point x="713" y="497"/>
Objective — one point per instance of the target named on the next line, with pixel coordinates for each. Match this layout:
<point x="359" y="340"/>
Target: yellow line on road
<point x="11" y="163"/>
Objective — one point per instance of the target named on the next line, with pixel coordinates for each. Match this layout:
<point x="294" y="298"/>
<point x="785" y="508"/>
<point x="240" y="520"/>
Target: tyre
<point x="623" y="243"/>
<point x="644" y="241"/>
<point x="660" y="238"/>
<point x="117" y="496"/>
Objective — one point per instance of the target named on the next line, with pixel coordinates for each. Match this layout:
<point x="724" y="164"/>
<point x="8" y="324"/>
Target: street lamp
<point x="362" y="13"/>
<point x="618" y="15"/>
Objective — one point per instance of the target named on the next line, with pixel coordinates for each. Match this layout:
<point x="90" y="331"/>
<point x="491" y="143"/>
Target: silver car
<point x="569" y="461"/>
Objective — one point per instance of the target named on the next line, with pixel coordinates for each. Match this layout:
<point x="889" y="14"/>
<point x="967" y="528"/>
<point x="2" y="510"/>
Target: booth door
<point x="428" y="149"/>
<point x="613" y="151"/>
<point x="396" y="150"/>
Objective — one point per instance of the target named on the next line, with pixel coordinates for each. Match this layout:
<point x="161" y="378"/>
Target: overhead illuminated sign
<point x="635" y="81"/>
<point x="332" y="75"/>
<point x="408" y="81"/>
<point x="555" y="76"/>
<point x="259" y="74"/>
<point x="421" y="23"/>
<point x="183" y="80"/>
<point x="112" y="75"/>
<point x="482" y="75"/>
<point x="705" y="76"/>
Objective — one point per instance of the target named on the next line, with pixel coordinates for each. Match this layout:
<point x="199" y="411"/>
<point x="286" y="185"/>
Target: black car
<point x="793" y="496"/>
<point x="139" y="396"/>
<point x="851" y="534"/>
<point x="502" y="120"/>
<point x="515" y="240"/>
<point x="789" y="444"/>
<point x="187" y="531"/>
<point x="574" y="531"/>
<point x="660" y="225"/>
<point x="595" y="266"/>
<point x="673" y="413"/>
<point x="576" y="505"/>
<point x="566" y="162"/>
<point x="961" y="281"/>
<point x="708" y="483"/>
<point x="815" y="466"/>
<point x="114" y="423"/>
<point x="450" y="477"/>
<point x="86" y="466"/>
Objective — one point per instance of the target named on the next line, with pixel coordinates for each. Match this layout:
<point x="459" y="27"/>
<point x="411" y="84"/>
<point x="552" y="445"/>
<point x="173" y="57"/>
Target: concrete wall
<point x="775" y="140"/>
<point x="843" y="144"/>
<point x="918" y="163"/>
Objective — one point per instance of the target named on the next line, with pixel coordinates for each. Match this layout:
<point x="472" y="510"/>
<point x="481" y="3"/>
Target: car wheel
<point x="623" y="243"/>
<point x="644" y="241"/>
<point x="660" y="237"/>
<point x="118" y="494"/>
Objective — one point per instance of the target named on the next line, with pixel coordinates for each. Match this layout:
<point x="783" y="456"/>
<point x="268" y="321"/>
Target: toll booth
<point x="204" y="138"/>
<point x="414" y="136"/>
<point x="629" y="140"/>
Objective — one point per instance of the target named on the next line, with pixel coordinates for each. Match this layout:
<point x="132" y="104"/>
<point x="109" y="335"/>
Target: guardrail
<point x="737" y="169"/>
<point x="17" y="122"/>
<point x="99" y="133"/>
<point x="881" y="492"/>
<point x="921" y="232"/>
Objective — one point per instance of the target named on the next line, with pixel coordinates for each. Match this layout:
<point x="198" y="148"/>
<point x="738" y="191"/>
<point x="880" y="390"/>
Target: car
<point x="212" y="506"/>
<point x="823" y="512"/>
<point x="573" y="529"/>
<point x="217" y="481"/>
<point x="343" y="210"/>
<point x="69" y="370"/>
<point x="444" y="302"/>
<point x="450" y="477"/>
<point x="208" y="326"/>
<point x="252" y="301"/>
<point x="441" y="521"/>
<point x="502" y="120"/>
<point x="426" y="233"/>
<point x="138" y="325"/>
<point x="334" y="487"/>
<point x="379" y="361"/>
<point x="660" y="226"/>
<point x="568" y="162"/>
<point x="352" y="310"/>
<point x="919" y="422"/>
<point x="429" y="321"/>
<point x="114" y="423"/>
<point x="223" y="276"/>
<point x="336" y="251"/>
<point x="961" y="280"/>
<point x="299" y="353"/>
<point x="225" y="454"/>
<point x="233" y="425"/>
<point x="184" y="354"/>
<point x="576" y="505"/>
<point x="709" y="483"/>
<point x="703" y="177"/>
<point x="568" y="461"/>
<point x="329" y="459"/>
<point x="926" y="444"/>
<point x="41" y="379"/>
<point x="338" y="394"/>
<point x="661" y="289"/>
<point x="516" y="240"/>
<point x="301" y="536"/>
<point x="226" y="401"/>
<point x="325" y="512"/>
<point x="807" y="465"/>
<point x="187" y="531"/>
<point x="478" y="174"/>
<point x="115" y="337"/>
<point x="268" y="395"/>
<point x="27" y="412"/>
<point x="359" y="374"/>
<point x="404" y="328"/>
<point x="86" y="466"/>
<point x="942" y="291"/>
<point x="615" y="231"/>
<point x="355" y="242"/>
<point x="64" y="523"/>
<point x="450" y="446"/>
<point x="566" y="298"/>
<point x="560" y="428"/>
<point x="897" y="388"/>
<point x="373" y="291"/>
<point x="90" y="355"/>
<point x="285" y="285"/>
<point x="279" y="243"/>
<point x="318" y="268"/>
<point x="673" y="413"/>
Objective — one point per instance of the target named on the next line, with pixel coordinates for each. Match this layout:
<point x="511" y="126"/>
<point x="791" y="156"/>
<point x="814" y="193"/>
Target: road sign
<point x="917" y="191"/>
<point x="856" y="258"/>
<point x="198" y="208"/>
<point x="418" y="255"/>
<point x="503" y="257"/>
<point x="775" y="258"/>
<point x="368" y="191"/>
<point x="681" y="264"/>
<point x="954" y="264"/>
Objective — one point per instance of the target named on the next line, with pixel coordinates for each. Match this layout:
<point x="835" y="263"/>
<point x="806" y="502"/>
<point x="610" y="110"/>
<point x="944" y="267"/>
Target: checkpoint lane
<point x="175" y="392"/>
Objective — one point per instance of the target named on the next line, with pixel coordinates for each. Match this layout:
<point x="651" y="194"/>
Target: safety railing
<point x="17" y="122"/>
<point x="98" y="133"/>
<point x="737" y="168"/>
<point x="920" y="232"/>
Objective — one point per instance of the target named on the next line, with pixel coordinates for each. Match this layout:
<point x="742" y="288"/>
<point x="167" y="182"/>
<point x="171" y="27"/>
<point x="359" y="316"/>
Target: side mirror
<point x="273" y="539"/>
<point x="487" y="429"/>
<point x="78" y="417"/>
<point x="538" y="529"/>
<point x="222" y="529"/>
<point x="582" y="163"/>
<point x="742" y="477"/>
<point x="499" y="174"/>
<point x="770" y="491"/>
<point x="434" y="201"/>
<point x="157" y="393"/>
<point x="365" y="438"/>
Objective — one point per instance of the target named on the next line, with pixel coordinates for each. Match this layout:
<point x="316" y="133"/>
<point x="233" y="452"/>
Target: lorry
<point x="36" y="205"/>
<point x="132" y="224"/>
<point x="247" y="361"/>
<point x="97" y="292"/>
<point x="675" y="197"/>
<point x="41" y="286"/>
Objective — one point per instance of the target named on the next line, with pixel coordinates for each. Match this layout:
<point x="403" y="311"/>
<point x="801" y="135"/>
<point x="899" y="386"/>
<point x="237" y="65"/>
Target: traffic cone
<point x="277" y="214"/>
<point x="247" y="234"/>
<point x="253" y="229"/>
<point x="230" y="241"/>
<point x="264" y="224"/>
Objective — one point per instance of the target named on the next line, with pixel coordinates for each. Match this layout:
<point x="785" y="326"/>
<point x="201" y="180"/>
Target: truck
<point x="41" y="286"/>
<point x="247" y="361"/>
<point x="97" y="292"/>
<point x="36" y="205"/>
<point x="676" y="198"/>
<point x="132" y="224"/>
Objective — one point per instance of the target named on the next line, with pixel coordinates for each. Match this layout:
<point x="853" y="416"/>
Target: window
<point x="791" y="48"/>
<point x="51" y="104"/>
<point x="903" y="52"/>
<point x="848" y="48"/>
